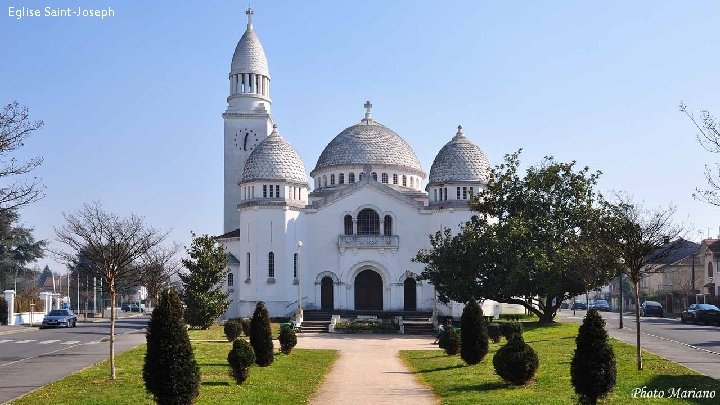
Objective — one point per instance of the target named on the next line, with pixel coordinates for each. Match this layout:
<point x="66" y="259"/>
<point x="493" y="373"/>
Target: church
<point x="342" y="238"/>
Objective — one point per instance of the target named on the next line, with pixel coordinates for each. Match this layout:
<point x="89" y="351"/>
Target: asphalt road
<point x="32" y="358"/>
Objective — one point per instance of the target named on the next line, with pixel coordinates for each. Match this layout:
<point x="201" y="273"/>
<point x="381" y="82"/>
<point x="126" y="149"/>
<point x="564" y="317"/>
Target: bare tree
<point x="643" y="245"/>
<point x="114" y="244"/>
<point x="709" y="137"/>
<point x="15" y="128"/>
<point x="159" y="267"/>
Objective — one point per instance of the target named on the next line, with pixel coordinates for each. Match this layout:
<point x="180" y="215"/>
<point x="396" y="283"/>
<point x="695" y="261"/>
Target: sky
<point x="132" y="103"/>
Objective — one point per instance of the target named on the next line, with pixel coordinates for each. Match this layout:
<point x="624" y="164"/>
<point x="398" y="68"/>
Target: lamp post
<point x="299" y="312"/>
<point x="622" y="270"/>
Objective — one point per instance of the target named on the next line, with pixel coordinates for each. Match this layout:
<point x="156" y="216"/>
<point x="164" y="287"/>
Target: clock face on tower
<point x="246" y="139"/>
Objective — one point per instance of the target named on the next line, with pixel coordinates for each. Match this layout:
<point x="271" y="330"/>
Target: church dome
<point x="249" y="56"/>
<point x="369" y="143"/>
<point x="274" y="159"/>
<point x="460" y="161"/>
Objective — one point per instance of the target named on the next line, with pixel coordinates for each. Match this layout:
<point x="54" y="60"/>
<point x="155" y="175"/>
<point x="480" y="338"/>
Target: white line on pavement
<point x="70" y="342"/>
<point x="47" y="342"/>
<point x="6" y="340"/>
<point x="25" y="341"/>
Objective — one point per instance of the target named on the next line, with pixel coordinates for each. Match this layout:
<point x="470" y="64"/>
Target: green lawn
<point x="216" y="332"/>
<point x="291" y="379"/>
<point x="456" y="383"/>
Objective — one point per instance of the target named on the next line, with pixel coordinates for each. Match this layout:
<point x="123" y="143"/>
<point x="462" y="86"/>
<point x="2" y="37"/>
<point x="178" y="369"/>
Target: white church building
<point x="344" y="236"/>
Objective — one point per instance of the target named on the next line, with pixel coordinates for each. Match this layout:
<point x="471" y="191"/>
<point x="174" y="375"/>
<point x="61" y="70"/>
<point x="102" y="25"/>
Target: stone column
<point x="10" y="298"/>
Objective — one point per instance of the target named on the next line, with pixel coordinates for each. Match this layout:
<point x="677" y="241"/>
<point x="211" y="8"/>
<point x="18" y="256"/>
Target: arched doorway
<point x="410" y="294"/>
<point x="368" y="291"/>
<point x="327" y="297"/>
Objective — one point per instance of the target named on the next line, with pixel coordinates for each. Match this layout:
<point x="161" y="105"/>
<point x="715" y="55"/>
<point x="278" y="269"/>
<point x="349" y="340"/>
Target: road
<point x="32" y="358"/>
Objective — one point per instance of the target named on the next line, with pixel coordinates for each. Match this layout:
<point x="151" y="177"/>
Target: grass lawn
<point x="456" y="383"/>
<point x="291" y="379"/>
<point x="216" y="332"/>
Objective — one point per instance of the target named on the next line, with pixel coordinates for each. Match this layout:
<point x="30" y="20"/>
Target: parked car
<point x="601" y="305"/>
<point x="579" y="305"/>
<point x="59" y="317"/>
<point x="651" y="308"/>
<point x="705" y="313"/>
<point x="125" y="307"/>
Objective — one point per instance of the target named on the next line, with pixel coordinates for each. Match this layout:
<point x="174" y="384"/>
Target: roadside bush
<point x="232" y="329"/>
<point x="516" y="362"/>
<point x="170" y="371"/>
<point x="507" y="329"/>
<point x="261" y="336"/>
<point x="474" y="338"/>
<point x="288" y="340"/>
<point x="451" y="342"/>
<point x="3" y="311"/>
<point x="493" y="331"/>
<point x="240" y="358"/>
<point x="593" y="371"/>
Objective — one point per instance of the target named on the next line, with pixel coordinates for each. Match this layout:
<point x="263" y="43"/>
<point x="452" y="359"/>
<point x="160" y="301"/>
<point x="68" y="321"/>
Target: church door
<point x="327" y="299"/>
<point x="368" y="291"/>
<point x="410" y="294"/>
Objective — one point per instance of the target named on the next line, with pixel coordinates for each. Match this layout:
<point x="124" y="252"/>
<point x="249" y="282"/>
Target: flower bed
<point x="366" y="326"/>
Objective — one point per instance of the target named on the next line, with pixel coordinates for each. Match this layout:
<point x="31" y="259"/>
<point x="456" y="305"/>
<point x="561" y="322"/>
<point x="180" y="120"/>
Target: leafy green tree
<point x="170" y="371"/>
<point x="261" y="336"/>
<point x="240" y="358"/>
<point x="18" y="247"/>
<point x="535" y="240"/>
<point x="473" y="332"/>
<point x="592" y="370"/>
<point x="202" y="284"/>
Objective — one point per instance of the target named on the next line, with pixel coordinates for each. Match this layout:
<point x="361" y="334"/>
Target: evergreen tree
<point x="240" y="358"/>
<point x="451" y="342"/>
<point x="202" y="284"/>
<point x="592" y="370"/>
<point x="170" y="372"/>
<point x="18" y="247"/>
<point x="474" y="338"/>
<point x="261" y="336"/>
<point x="516" y="362"/>
<point x="288" y="340"/>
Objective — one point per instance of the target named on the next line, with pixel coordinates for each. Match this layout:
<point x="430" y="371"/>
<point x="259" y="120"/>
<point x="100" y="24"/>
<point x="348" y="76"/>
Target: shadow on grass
<point x="215" y="383"/>
<point x="488" y="386"/>
<point x="432" y="370"/>
<point x="213" y="364"/>
<point x="691" y="388"/>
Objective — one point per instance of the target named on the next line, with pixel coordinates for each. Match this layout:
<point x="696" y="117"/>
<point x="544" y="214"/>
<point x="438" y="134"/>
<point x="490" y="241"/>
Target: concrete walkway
<point x="369" y="370"/>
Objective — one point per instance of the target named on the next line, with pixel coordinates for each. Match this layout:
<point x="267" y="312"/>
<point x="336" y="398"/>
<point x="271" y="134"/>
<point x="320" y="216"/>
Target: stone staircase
<point x="315" y="321"/>
<point x="418" y="324"/>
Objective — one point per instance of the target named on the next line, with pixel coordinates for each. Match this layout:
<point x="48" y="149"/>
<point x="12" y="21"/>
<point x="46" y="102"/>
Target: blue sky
<point x="132" y="104"/>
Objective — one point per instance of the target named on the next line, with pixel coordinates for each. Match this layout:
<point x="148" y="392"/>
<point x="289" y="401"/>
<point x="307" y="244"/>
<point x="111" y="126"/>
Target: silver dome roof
<point x="460" y="161"/>
<point x="369" y="142"/>
<point x="249" y="56"/>
<point x="274" y="159"/>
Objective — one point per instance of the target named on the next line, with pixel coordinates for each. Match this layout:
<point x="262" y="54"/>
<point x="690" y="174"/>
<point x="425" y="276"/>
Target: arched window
<point x="324" y="181"/>
<point x="710" y="269"/>
<point x="332" y="179"/>
<point x="384" y="178"/>
<point x="395" y="178"/>
<point x="387" y="225"/>
<point x="404" y="181"/>
<point x="341" y="178"/>
<point x="348" y="225"/>
<point x="271" y="265"/>
<point x="351" y="178"/>
<point x="295" y="260"/>
<point x="368" y="222"/>
<point x="374" y="176"/>
<point x="248" y="266"/>
<point x="230" y="279"/>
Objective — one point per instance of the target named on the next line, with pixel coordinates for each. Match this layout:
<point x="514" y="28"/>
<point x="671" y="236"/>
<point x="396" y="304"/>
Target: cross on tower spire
<point x="368" y="107"/>
<point x="250" y="14"/>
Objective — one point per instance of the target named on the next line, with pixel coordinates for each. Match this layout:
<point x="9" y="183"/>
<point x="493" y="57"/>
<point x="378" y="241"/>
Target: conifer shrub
<point x="516" y="362"/>
<point x="593" y="371"/>
<point x="261" y="336"/>
<point x="493" y="330"/>
<point x="288" y="340"/>
<point x="232" y="329"/>
<point x="474" y="337"/>
<point x="240" y="358"/>
<point x="170" y="371"/>
<point x="245" y="323"/>
<point x="507" y="329"/>
<point x="3" y="311"/>
<point x="451" y="342"/>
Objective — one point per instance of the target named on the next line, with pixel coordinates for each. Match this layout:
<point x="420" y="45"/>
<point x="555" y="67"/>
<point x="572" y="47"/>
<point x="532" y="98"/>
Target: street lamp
<point x="621" y="261"/>
<point x="299" y="312"/>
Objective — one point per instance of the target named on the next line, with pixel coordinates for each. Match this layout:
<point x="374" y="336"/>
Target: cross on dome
<point x="249" y="13"/>
<point x="368" y="107"/>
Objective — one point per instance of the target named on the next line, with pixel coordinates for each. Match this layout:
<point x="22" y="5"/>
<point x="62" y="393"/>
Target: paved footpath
<point x="368" y="370"/>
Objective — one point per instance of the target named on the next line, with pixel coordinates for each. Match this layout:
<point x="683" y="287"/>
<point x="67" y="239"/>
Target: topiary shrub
<point x="507" y="329"/>
<point x="3" y="311"/>
<point x="245" y="323"/>
<point x="288" y="340"/>
<point x="261" y="336"/>
<point x="493" y="331"/>
<point x="592" y="370"/>
<point x="232" y="329"/>
<point x="170" y="371"/>
<point x="516" y="362"/>
<point x="474" y="338"/>
<point x="451" y="342"/>
<point x="240" y="358"/>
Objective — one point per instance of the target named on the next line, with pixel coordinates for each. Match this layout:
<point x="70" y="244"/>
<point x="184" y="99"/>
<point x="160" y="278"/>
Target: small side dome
<point x="459" y="161"/>
<point x="249" y="56"/>
<point x="275" y="159"/>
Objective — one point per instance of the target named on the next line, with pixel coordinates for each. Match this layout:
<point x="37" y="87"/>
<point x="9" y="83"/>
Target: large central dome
<point x="369" y="143"/>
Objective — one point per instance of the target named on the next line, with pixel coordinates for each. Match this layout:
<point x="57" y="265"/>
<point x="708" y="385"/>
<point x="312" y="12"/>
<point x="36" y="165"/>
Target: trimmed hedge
<point x="474" y="338"/>
<point x="450" y="341"/>
<point x="240" y="358"/>
<point x="593" y="371"/>
<point x="261" y="336"/>
<point x="288" y="340"/>
<point x="508" y="329"/>
<point x="516" y="362"/>
<point x="493" y="331"/>
<point x="232" y="329"/>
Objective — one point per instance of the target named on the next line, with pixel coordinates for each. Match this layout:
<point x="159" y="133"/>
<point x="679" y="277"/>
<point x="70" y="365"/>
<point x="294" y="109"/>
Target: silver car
<point x="59" y="317"/>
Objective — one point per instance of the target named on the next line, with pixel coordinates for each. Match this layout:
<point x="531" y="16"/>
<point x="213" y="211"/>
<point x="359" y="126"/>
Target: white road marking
<point x="93" y="343"/>
<point x="47" y="342"/>
<point x="25" y="341"/>
<point x="70" y="342"/>
<point x="6" y="340"/>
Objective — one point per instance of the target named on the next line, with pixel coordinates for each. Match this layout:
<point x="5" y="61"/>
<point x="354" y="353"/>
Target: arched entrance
<point x="410" y="302"/>
<point x="368" y="291"/>
<point x="327" y="297"/>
